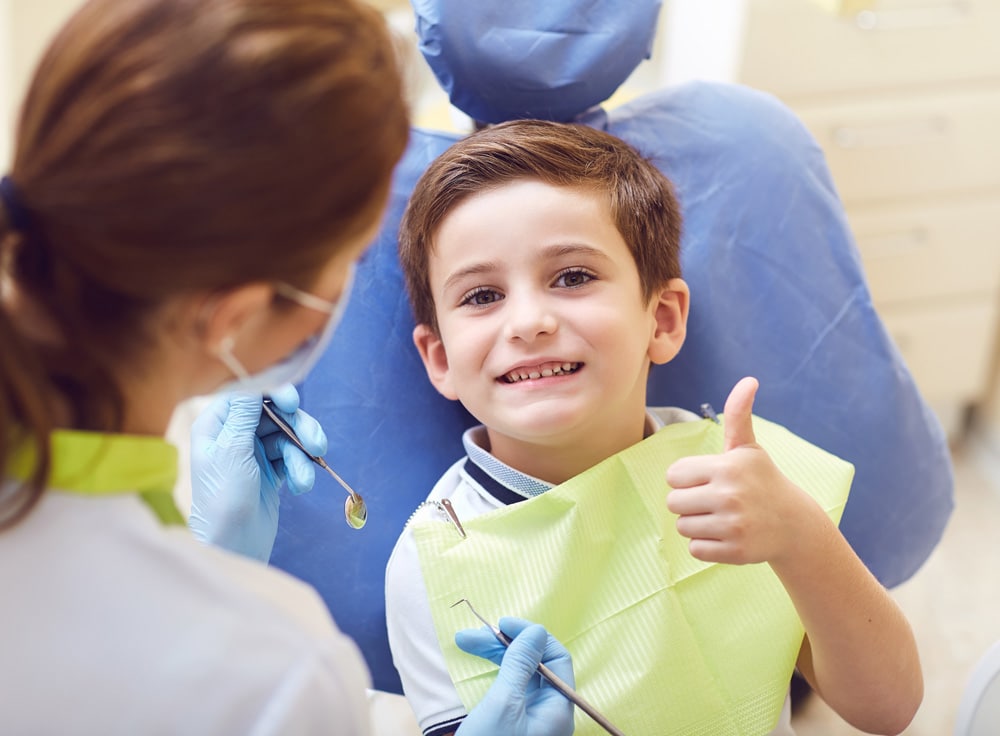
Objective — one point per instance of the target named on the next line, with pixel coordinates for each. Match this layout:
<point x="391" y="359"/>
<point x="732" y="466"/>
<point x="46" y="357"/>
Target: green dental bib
<point x="662" y="643"/>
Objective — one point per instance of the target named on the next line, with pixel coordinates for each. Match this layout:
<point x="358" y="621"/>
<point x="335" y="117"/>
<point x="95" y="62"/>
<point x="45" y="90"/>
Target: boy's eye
<point x="481" y="296"/>
<point x="573" y="277"/>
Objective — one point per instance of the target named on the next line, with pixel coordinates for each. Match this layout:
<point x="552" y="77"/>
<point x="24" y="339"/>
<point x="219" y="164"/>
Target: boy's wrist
<point x="809" y="540"/>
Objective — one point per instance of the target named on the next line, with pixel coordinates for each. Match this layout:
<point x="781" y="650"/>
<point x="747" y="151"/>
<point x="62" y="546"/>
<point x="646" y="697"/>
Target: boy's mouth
<point x="543" y="370"/>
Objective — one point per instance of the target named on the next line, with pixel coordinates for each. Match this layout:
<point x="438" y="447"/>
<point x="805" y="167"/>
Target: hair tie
<point x="17" y="215"/>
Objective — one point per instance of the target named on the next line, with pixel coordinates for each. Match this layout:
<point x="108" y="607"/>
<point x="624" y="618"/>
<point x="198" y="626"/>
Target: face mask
<point x="294" y="367"/>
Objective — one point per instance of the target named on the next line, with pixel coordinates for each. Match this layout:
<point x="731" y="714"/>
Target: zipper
<point x="446" y="510"/>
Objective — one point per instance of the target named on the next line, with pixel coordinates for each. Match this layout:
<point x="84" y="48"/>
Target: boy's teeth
<point x="546" y="372"/>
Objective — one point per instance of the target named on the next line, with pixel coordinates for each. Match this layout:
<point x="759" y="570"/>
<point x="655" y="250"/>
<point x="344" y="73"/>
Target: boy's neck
<point x="558" y="462"/>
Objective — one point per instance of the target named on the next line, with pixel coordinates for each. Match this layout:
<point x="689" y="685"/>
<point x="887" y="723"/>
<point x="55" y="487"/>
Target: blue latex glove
<point x="520" y="702"/>
<point x="239" y="459"/>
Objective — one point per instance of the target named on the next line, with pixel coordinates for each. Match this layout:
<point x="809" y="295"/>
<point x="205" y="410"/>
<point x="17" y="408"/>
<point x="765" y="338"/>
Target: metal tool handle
<point x="287" y="429"/>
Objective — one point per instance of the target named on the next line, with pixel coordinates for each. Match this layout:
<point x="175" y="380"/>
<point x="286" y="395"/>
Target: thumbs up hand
<point x="737" y="507"/>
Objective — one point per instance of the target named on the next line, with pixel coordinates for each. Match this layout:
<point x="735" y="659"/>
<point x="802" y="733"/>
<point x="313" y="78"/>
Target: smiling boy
<point x="542" y="262"/>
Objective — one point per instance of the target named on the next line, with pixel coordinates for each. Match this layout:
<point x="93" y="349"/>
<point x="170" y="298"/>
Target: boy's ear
<point x="435" y="359"/>
<point x="670" y="314"/>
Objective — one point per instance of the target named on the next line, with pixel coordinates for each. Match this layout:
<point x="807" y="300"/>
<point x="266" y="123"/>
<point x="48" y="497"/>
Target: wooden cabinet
<point x="800" y="51"/>
<point x="904" y="98"/>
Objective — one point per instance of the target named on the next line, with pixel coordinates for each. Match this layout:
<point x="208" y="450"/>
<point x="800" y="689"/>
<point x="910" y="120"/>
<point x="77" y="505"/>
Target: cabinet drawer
<point x="948" y="347"/>
<point x="796" y="50"/>
<point x="911" y="146"/>
<point x="918" y="253"/>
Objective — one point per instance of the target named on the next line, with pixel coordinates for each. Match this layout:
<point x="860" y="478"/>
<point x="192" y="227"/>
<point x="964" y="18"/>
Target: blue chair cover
<point x="778" y="292"/>
<point x="531" y="59"/>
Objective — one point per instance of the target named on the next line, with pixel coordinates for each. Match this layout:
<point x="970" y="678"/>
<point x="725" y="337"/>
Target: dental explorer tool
<point x="355" y="510"/>
<point x="557" y="682"/>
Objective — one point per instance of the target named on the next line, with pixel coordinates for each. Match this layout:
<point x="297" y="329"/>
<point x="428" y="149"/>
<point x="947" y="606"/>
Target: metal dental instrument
<point x="557" y="682"/>
<point x="355" y="511"/>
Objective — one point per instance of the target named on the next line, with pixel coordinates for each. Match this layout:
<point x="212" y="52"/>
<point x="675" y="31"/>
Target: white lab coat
<point x="111" y="623"/>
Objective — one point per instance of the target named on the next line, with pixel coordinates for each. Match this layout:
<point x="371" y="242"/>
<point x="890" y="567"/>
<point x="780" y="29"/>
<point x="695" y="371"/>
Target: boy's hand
<point x="737" y="507"/>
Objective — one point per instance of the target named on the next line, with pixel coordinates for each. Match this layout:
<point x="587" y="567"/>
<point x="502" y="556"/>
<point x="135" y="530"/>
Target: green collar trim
<point x="99" y="464"/>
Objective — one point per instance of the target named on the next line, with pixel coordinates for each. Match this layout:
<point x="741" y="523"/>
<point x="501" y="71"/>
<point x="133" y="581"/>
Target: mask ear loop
<point x="224" y="352"/>
<point x="304" y="298"/>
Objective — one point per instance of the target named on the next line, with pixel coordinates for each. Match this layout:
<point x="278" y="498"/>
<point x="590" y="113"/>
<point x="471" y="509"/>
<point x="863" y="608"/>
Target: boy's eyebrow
<point x="472" y="270"/>
<point x="570" y="249"/>
<point x="552" y="251"/>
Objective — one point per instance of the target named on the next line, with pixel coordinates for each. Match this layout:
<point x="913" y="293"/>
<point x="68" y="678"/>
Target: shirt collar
<point x="504" y="483"/>
<point x="100" y="464"/>
<point x="495" y="476"/>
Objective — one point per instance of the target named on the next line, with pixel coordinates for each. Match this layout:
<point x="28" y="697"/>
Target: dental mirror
<point x="355" y="510"/>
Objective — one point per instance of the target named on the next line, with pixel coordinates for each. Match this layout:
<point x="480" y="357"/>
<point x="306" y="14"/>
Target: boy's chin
<point x="537" y="426"/>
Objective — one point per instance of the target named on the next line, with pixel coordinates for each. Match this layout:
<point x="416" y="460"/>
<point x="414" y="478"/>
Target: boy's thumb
<point x="739" y="407"/>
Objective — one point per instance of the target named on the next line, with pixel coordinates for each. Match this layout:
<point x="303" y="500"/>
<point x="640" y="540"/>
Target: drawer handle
<point x="907" y="133"/>
<point x="940" y="14"/>
<point x="885" y="245"/>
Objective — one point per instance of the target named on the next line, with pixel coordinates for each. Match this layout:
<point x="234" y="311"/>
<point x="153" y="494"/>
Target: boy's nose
<point x="528" y="317"/>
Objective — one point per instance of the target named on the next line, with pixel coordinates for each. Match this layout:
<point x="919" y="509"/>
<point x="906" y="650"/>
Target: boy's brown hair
<point x="641" y="198"/>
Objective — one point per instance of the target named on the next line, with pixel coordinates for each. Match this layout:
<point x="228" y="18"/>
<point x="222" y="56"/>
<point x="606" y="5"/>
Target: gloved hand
<point x="239" y="459"/>
<point x="520" y="702"/>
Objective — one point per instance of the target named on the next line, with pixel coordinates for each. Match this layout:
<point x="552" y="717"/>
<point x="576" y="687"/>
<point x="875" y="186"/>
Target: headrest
<point x="528" y="59"/>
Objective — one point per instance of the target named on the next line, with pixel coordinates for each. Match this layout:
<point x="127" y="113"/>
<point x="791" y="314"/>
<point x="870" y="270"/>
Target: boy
<point x="542" y="262"/>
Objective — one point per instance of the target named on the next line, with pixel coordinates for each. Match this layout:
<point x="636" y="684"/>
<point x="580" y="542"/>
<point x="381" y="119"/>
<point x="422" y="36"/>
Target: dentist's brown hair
<point x="167" y="146"/>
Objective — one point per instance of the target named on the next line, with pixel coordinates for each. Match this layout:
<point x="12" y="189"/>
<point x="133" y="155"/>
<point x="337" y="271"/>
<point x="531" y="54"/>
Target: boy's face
<point x="543" y="332"/>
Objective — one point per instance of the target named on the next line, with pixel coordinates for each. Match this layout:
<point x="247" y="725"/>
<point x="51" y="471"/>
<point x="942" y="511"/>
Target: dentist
<point x="191" y="184"/>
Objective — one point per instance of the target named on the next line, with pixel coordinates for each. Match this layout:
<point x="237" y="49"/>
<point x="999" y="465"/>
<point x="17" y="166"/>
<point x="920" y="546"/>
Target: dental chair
<point x="778" y="292"/>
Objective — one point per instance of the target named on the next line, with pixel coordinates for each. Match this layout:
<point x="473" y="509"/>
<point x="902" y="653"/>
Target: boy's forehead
<point x="521" y="219"/>
<point x="592" y="193"/>
<point x="512" y="200"/>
